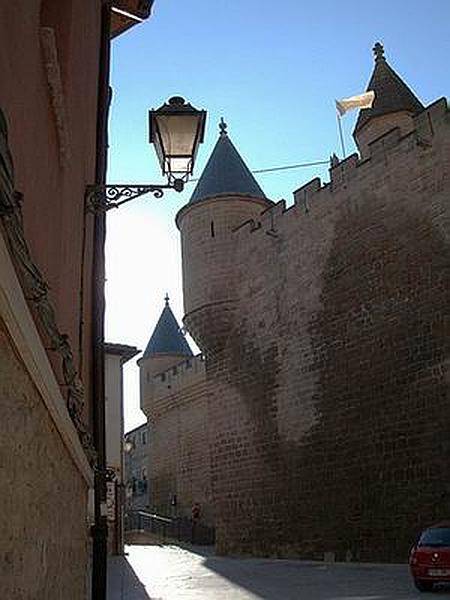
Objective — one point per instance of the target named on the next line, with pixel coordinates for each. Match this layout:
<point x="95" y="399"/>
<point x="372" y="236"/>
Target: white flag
<point x="361" y="101"/>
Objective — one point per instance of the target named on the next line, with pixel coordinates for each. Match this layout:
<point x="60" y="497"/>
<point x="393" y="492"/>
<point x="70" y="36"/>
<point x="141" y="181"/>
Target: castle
<point x="316" y="422"/>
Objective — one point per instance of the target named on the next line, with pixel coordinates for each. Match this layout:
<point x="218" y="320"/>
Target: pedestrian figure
<point x="195" y="511"/>
<point x="173" y="505"/>
<point x="195" y="518"/>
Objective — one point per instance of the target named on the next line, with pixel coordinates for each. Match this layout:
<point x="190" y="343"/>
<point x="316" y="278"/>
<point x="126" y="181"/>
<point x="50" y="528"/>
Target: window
<point x="436" y="537"/>
<point x="213" y="234"/>
<point x="144" y="437"/>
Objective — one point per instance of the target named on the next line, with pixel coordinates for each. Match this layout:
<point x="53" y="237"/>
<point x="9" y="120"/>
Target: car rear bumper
<point x="423" y="572"/>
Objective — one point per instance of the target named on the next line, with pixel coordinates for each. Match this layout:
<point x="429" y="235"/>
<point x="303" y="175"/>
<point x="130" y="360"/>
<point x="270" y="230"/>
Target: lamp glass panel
<point x="178" y="134"/>
<point x="159" y="152"/>
<point x="180" y="164"/>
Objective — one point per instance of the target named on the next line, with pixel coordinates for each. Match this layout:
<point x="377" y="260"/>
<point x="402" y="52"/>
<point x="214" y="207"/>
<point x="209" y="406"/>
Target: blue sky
<point x="272" y="70"/>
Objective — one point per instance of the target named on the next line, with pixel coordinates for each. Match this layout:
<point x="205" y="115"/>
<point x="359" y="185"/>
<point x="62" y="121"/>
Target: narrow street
<point x="173" y="573"/>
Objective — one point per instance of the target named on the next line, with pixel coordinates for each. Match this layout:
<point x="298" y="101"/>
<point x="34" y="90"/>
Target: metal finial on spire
<point x="222" y="127"/>
<point x="166" y="298"/>
<point x="378" y="50"/>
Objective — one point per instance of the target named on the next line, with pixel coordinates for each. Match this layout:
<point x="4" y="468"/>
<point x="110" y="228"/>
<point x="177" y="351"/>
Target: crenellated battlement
<point x="355" y="174"/>
<point x="271" y="216"/>
<point x="249" y="225"/>
<point x="186" y="373"/>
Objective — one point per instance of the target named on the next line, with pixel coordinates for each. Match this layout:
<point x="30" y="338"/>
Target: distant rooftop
<point x="142" y="427"/>
<point x="125" y="352"/>
<point x="167" y="337"/>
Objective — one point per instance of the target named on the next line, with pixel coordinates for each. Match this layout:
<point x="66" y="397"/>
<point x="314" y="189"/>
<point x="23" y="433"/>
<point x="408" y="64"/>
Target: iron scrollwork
<point x="101" y="198"/>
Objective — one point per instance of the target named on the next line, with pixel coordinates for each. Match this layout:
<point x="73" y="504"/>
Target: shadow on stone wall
<point x="375" y="469"/>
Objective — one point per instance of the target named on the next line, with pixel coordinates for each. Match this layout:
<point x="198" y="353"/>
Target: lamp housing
<point x="176" y="129"/>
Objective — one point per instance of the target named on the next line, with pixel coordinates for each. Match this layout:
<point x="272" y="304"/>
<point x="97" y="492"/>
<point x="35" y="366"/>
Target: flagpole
<point x="342" y="106"/>
<point x="341" y="135"/>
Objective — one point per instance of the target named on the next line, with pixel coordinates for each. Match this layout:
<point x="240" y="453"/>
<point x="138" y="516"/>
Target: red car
<point x="429" y="559"/>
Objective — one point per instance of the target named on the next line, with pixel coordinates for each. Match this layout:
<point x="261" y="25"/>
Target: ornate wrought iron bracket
<point x="101" y="198"/>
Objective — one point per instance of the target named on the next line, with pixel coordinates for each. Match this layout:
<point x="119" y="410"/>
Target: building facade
<point x="322" y="415"/>
<point x="136" y="460"/>
<point x="54" y="98"/>
<point x="116" y="355"/>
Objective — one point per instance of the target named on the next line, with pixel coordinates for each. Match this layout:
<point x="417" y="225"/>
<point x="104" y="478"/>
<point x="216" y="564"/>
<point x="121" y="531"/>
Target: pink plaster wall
<point x="54" y="195"/>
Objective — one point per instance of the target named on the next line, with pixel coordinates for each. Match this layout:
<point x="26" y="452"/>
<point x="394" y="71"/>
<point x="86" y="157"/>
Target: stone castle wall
<point x="43" y="516"/>
<point x="179" y="459"/>
<point x="328" y="413"/>
<point x="206" y="240"/>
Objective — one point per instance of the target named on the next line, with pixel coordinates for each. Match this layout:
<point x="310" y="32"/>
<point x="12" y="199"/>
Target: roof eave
<point x="128" y="13"/>
<point x="123" y="350"/>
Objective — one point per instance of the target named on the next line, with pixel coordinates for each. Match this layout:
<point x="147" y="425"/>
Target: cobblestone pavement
<point x="173" y="573"/>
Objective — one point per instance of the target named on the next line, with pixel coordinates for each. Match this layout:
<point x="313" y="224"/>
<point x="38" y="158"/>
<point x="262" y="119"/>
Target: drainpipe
<point x="100" y="528"/>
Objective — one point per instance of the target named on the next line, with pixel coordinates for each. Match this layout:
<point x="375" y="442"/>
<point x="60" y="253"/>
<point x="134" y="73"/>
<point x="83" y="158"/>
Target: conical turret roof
<point x="391" y="92"/>
<point x="225" y="173"/>
<point x="167" y="337"/>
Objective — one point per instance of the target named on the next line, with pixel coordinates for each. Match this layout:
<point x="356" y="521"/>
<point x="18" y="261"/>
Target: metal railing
<point x="181" y="529"/>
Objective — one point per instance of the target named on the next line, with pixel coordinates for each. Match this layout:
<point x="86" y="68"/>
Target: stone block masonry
<point x="43" y="518"/>
<point x="329" y="414"/>
<point x="179" y="454"/>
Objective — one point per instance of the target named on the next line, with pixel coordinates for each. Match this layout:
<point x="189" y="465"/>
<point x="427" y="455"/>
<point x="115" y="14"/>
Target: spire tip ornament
<point x="378" y="51"/>
<point x="223" y="127"/>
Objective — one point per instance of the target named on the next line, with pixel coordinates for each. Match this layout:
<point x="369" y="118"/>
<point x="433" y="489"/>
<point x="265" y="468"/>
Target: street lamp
<point x="128" y="446"/>
<point x="176" y="130"/>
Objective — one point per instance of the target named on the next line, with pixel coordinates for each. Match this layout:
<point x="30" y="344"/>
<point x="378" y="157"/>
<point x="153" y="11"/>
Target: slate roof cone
<point x="167" y="337"/>
<point x="226" y="173"/>
<point x="391" y="92"/>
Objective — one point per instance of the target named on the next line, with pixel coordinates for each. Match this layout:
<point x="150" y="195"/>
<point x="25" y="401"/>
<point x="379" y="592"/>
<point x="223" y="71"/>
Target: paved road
<point x="172" y="573"/>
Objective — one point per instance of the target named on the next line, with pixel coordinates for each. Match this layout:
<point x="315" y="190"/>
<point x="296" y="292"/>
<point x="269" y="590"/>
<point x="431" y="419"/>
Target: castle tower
<point x="395" y="104"/>
<point x="226" y="196"/>
<point x="167" y="347"/>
